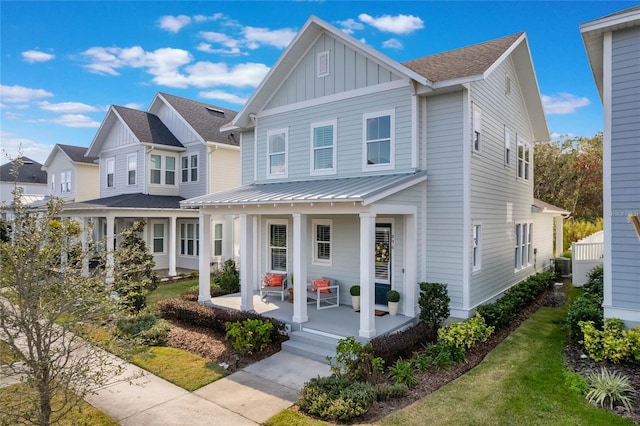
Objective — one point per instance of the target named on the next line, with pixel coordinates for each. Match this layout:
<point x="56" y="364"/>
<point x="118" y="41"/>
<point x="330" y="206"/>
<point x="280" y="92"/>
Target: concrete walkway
<point x="247" y="397"/>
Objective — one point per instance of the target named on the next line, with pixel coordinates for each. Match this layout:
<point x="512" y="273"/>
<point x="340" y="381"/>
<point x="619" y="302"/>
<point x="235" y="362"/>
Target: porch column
<point x="204" y="259"/>
<point x="559" y="235"/>
<point x="410" y="268"/>
<point x="227" y="238"/>
<point x="111" y="246"/>
<point x="299" y="268"/>
<point x="367" y="275"/>
<point x="247" y="278"/>
<point x="85" y="246"/>
<point x="173" y="232"/>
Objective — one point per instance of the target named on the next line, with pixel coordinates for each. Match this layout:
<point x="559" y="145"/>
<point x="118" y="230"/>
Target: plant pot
<point x="290" y="295"/>
<point x="355" y="302"/>
<point x="393" y="308"/>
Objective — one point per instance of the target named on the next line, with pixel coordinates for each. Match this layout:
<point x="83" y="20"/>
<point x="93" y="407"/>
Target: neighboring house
<point x="613" y="47"/>
<point x="149" y="162"/>
<point x="348" y="155"/>
<point x="31" y="178"/>
<point x="71" y="175"/>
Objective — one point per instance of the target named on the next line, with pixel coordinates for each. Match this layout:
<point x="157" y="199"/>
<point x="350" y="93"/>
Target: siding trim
<point x="606" y="166"/>
<point x="414" y="130"/>
<point x="466" y="198"/>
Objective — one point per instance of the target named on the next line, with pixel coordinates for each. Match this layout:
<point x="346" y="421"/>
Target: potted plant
<point x="393" y="297"/>
<point x="355" y="297"/>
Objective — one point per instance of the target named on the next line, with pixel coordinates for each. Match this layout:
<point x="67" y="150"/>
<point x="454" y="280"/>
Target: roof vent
<point x="217" y="112"/>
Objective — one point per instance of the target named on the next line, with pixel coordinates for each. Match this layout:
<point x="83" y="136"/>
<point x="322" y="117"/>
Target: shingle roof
<point x="76" y="153"/>
<point x="205" y="119"/>
<point x="30" y="172"/>
<point x="147" y="127"/>
<point x="132" y="201"/>
<point x="465" y="62"/>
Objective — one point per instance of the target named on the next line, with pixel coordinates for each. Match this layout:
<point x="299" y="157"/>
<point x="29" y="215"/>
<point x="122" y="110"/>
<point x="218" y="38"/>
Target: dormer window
<point x="323" y="64"/>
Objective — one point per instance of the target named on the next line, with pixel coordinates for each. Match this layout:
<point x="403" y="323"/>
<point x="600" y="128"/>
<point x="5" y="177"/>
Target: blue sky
<point x="63" y="63"/>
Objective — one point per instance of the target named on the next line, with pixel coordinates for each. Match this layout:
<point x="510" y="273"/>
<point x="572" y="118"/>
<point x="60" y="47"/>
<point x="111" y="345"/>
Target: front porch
<point x="338" y="322"/>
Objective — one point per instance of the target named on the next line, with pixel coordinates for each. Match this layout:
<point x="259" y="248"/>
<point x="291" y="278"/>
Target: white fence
<point x="586" y="254"/>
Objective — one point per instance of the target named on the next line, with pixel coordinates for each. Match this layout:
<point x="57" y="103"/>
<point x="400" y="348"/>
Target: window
<point x="477" y="125"/>
<point x="322" y="242"/>
<point x="190" y="168"/>
<point x="110" y="171"/>
<point x="158" y="237"/>
<point x="524" y="245"/>
<point x="156" y="169"/>
<point x="277" y="153"/>
<point x="524" y="151"/>
<point x="507" y="146"/>
<point x="53" y="182"/>
<point x="518" y="256"/>
<point x="217" y="239"/>
<point x="132" y="160"/>
<point x="194" y="168"/>
<point x="65" y="181"/>
<point x="277" y="246"/>
<point x="530" y="244"/>
<point x="378" y="132"/>
<point x="189" y="239"/>
<point x="185" y="169"/>
<point x="477" y="252"/>
<point x="507" y="84"/>
<point x="323" y="139"/>
<point x="170" y="170"/>
<point x="323" y="64"/>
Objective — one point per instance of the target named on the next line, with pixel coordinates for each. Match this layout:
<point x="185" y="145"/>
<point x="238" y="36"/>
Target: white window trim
<point x="476" y="129"/>
<point x="163" y="176"/>
<point x="65" y="179"/>
<point x="316" y="260"/>
<point x="323" y="57"/>
<point x="321" y="172"/>
<point x="392" y="142"/>
<point x="152" y="224"/>
<point x="196" y="239"/>
<point x="214" y="239"/>
<point x="135" y="169"/>
<point x="111" y="160"/>
<point x="197" y="168"/>
<point x="525" y="177"/>
<point x="478" y="246"/>
<point x="284" y="174"/>
<point x="53" y="183"/>
<point x="507" y="147"/>
<point x="189" y="168"/>
<point x="270" y="222"/>
<point x="523" y="248"/>
<point x="151" y="169"/>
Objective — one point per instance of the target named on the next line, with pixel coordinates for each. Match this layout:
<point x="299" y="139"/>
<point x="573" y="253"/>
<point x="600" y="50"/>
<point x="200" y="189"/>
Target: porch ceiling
<point x="366" y="190"/>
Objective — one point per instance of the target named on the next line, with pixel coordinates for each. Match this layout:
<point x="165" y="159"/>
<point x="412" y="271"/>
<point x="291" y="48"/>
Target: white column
<point x="410" y="268"/>
<point x="204" y="259"/>
<point x="367" y="274"/>
<point x="227" y="238"/>
<point x="559" y="235"/>
<point x="247" y="278"/>
<point x="85" y="246"/>
<point x="172" y="233"/>
<point x="111" y="246"/>
<point x="299" y="268"/>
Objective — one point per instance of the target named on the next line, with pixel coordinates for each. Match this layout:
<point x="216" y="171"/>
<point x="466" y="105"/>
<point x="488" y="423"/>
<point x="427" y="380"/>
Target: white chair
<point x="266" y="287"/>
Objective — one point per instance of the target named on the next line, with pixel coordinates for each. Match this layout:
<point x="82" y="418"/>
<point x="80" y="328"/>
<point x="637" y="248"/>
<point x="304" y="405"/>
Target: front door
<point x="383" y="262"/>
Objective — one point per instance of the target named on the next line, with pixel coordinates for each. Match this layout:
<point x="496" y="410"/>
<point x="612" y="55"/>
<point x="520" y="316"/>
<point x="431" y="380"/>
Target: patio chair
<point x="274" y="283"/>
<point x="325" y="292"/>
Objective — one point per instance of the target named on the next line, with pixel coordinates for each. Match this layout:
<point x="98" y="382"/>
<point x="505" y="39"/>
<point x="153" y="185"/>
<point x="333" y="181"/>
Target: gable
<point x="347" y="69"/>
<point x="117" y="136"/>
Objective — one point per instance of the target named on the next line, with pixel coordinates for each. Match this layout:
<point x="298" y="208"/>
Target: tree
<point x="568" y="174"/>
<point x="44" y="294"/>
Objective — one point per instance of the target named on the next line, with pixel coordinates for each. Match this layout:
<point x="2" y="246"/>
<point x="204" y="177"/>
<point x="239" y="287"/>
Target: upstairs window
<point x="111" y="166"/>
<point x="170" y="170"/>
<point x="194" y="168"/>
<point x="277" y="153"/>
<point x="477" y="126"/>
<point x="379" y="140"/>
<point x="132" y="165"/>
<point x="65" y="181"/>
<point x="190" y="168"/>
<point x="323" y="64"/>
<point x="323" y="152"/>
<point x="507" y="146"/>
<point x="524" y="161"/>
<point x="156" y="169"/>
<point x="53" y="182"/>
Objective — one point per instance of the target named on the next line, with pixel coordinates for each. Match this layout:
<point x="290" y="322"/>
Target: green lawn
<point x="170" y="290"/>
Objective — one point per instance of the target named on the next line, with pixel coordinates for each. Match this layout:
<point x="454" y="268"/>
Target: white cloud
<point x="12" y="115"/>
<point x="11" y="146"/>
<point x="232" y="45"/>
<point x="223" y="96"/>
<point x="256" y="37"/>
<point x="73" y="120"/>
<point x="208" y="74"/>
<point x="205" y="18"/>
<point x="392" y="43"/>
<point x="207" y="48"/>
<point x="17" y="93"/>
<point x="350" y="25"/>
<point x="33" y="56"/>
<point x="133" y="105"/>
<point x="67" y="107"/>
<point x="174" y="23"/>
<point x="563" y="103"/>
<point x="399" y="24"/>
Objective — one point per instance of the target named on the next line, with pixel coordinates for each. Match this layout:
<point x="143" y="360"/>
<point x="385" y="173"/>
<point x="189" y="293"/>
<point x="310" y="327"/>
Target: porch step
<point x="311" y="345"/>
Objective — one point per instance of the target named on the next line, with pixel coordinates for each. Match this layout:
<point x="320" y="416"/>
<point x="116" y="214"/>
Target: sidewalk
<point x="247" y="397"/>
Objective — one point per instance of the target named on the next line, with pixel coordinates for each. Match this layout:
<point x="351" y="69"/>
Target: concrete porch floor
<point x="341" y="321"/>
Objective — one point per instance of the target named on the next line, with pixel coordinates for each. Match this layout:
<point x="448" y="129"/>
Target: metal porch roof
<point x="366" y="189"/>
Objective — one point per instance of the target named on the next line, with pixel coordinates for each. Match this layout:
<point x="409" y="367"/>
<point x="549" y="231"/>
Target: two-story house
<point x="613" y="47"/>
<point x="151" y="160"/>
<point x="31" y="178"/>
<point x="385" y="174"/>
<point x="71" y="175"/>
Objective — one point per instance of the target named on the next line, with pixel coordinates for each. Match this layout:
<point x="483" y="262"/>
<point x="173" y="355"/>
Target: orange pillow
<point x="319" y="284"/>
<point x="276" y="280"/>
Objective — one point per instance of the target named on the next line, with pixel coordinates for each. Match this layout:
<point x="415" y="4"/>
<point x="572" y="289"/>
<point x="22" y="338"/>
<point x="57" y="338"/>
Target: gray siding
<point x="625" y="168"/>
<point x="194" y="189"/>
<point x="349" y="114"/>
<point x="498" y="198"/>
<point x="444" y="216"/>
<point x="120" y="179"/>
<point x="348" y="70"/>
<point x="247" y="149"/>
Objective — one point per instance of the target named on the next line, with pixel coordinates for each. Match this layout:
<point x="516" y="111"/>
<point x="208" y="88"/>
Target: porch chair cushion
<point x="320" y="284"/>
<point x="272" y="280"/>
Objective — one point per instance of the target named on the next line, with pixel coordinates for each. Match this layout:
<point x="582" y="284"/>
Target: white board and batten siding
<point x="625" y="170"/>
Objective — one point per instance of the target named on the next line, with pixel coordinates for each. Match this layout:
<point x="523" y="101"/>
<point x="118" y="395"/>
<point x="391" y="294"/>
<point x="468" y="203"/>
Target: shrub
<point x="584" y="309"/>
<point x="594" y="286"/>
<point x="354" y="290"/>
<point x="613" y="343"/>
<point x="434" y="305"/>
<point x="355" y="361"/>
<point x="576" y="382"/>
<point x="498" y="315"/>
<point x="401" y="344"/>
<point x="229" y="279"/>
<point x="386" y="391"/>
<point x="249" y="336"/>
<point x="393" y="296"/>
<point x="333" y="398"/>
<point x="144" y="328"/>
<point x="465" y="334"/>
<point x="402" y="372"/>
<point x="609" y="389"/>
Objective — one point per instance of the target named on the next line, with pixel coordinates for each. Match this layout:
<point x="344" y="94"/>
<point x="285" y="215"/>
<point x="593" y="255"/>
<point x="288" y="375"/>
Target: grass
<point x="170" y="290"/>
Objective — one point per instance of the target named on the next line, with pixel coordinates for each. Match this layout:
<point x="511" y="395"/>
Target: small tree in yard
<point x="45" y="292"/>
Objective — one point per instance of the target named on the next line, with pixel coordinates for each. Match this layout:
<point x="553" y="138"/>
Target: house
<point x="384" y="174"/>
<point x="71" y="175"/>
<point x="31" y="178"/>
<point x="613" y="48"/>
<point x="151" y="160"/>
